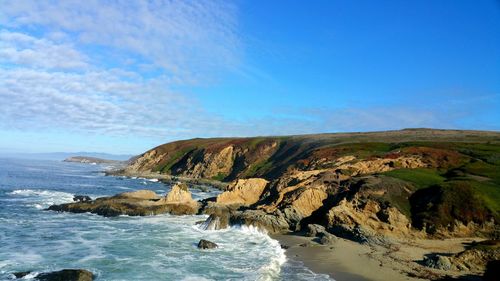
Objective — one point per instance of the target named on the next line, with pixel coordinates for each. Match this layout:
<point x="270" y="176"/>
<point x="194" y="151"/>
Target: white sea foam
<point x="40" y="199"/>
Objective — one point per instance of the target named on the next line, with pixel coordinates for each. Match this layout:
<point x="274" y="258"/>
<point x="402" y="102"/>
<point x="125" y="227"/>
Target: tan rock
<point x="143" y="194"/>
<point x="243" y="192"/>
<point x="309" y="200"/>
<point x="380" y="165"/>
<point x="179" y="194"/>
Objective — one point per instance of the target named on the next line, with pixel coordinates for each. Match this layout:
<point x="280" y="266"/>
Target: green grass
<point x="484" y="169"/>
<point x="419" y="177"/>
<point x="441" y="205"/>
<point x="261" y="166"/>
<point x="165" y="168"/>
<point x="489" y="192"/>
<point x="219" y="177"/>
<point x="252" y="144"/>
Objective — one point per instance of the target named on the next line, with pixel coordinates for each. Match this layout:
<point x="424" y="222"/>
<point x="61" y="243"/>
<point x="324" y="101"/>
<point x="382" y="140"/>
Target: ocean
<point x="161" y="247"/>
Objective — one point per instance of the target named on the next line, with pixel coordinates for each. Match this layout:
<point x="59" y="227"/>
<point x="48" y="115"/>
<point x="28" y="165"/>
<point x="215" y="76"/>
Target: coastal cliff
<point x="439" y="182"/>
<point x="373" y="188"/>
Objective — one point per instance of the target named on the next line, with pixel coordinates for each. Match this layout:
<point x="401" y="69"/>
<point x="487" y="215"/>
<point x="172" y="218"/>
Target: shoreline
<point x="345" y="260"/>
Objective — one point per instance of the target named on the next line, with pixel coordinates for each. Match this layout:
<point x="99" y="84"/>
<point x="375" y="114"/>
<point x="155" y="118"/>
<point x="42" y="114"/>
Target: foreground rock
<point x="138" y="203"/>
<point x="205" y="244"/>
<point x="62" y="275"/>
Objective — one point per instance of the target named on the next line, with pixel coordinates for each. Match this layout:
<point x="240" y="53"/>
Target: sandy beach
<point x="350" y="261"/>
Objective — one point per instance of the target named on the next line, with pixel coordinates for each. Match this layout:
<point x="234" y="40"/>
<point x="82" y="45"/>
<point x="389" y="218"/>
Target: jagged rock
<point x="205" y="244"/>
<point x="293" y="217"/>
<point x="216" y="222"/>
<point x="243" y="192"/>
<point x="273" y="223"/>
<point x="477" y="257"/>
<point x="179" y="194"/>
<point x="81" y="198"/>
<point x="438" y="262"/>
<point x="66" y="275"/>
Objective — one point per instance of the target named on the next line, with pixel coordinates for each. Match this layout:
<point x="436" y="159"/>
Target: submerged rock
<point x="62" y="275"/>
<point x="81" y="198"/>
<point x="21" y="274"/>
<point x="66" y="275"/>
<point x="205" y="244"/>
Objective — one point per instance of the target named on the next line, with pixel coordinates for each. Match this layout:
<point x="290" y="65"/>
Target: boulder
<point x="81" y="198"/>
<point x="326" y="238"/>
<point x="243" y="192"/>
<point x="66" y="275"/>
<point x="205" y="244"/>
<point x="438" y="262"/>
<point x="314" y="230"/>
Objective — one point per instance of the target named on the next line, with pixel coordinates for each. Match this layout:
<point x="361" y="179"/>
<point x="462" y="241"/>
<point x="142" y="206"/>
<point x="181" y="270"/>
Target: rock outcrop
<point x="136" y="203"/>
<point x="242" y="192"/>
<point x="179" y="195"/>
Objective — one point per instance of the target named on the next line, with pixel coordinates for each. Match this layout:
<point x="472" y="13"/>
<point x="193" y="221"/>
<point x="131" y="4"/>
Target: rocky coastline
<point x="407" y="203"/>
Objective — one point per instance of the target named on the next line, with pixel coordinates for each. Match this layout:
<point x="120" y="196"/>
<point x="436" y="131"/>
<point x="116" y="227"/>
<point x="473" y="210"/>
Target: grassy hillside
<point x="461" y="178"/>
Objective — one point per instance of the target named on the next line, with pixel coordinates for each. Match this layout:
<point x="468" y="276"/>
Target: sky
<point x="125" y="76"/>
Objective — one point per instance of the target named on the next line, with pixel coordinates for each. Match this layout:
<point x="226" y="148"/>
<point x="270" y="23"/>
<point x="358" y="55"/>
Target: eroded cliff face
<point x="242" y="192"/>
<point x="219" y="160"/>
<point x="397" y="183"/>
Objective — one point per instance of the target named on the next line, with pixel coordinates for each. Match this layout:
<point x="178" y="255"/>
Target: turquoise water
<point x="159" y="247"/>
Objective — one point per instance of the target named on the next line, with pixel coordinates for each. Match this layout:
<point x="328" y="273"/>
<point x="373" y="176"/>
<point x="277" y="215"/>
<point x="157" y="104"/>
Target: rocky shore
<point x="412" y="204"/>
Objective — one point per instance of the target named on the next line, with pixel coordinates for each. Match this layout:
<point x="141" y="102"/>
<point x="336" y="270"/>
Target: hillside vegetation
<point x="436" y="178"/>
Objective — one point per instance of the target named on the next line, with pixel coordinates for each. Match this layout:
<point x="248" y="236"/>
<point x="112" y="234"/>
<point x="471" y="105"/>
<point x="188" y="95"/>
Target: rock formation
<point x="136" y="203"/>
<point x="243" y="192"/>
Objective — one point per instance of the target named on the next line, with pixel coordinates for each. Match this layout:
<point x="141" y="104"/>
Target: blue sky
<point x="124" y="76"/>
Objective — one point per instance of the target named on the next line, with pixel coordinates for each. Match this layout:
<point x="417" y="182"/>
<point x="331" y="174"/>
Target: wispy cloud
<point x="24" y="50"/>
<point x="181" y="37"/>
<point x="84" y="65"/>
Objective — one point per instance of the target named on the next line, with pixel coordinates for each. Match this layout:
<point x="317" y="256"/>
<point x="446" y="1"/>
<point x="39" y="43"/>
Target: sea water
<point x="161" y="247"/>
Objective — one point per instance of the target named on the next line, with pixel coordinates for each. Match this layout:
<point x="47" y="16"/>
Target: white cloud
<point x="22" y="49"/>
<point x="64" y="65"/>
<point x="182" y="37"/>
